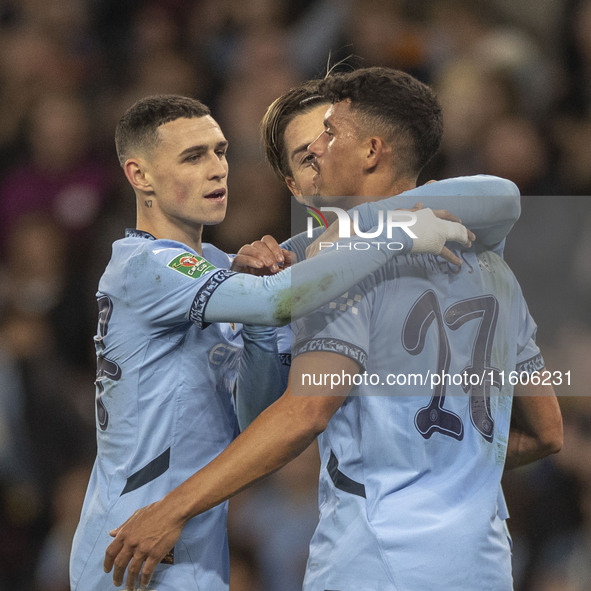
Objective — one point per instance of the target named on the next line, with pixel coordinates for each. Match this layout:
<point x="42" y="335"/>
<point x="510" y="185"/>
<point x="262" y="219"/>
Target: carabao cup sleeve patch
<point x="191" y="265"/>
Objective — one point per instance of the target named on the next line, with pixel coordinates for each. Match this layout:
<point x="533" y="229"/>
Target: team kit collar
<point x="134" y="233"/>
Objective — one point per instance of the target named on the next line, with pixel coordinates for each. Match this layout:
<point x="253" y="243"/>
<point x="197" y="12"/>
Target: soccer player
<point x="167" y="351"/>
<point x="488" y="205"/>
<point x="410" y="482"/>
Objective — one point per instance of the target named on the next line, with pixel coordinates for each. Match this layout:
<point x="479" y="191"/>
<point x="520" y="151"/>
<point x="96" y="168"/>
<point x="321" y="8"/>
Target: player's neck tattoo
<point x="148" y="203"/>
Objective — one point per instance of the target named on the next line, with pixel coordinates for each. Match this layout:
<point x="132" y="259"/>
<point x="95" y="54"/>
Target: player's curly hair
<point x="298" y="100"/>
<point x="395" y="104"/>
<point x="138" y="128"/>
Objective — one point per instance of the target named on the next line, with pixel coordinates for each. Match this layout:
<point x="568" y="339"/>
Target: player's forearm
<point x="487" y="205"/>
<point x="524" y="449"/>
<point x="490" y="218"/>
<point x="536" y="426"/>
<point x="277" y="436"/>
<point x="274" y="300"/>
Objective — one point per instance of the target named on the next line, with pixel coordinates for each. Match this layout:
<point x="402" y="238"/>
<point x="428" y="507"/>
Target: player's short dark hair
<point x="296" y="101"/>
<point x="138" y="128"/>
<point x="395" y="104"/>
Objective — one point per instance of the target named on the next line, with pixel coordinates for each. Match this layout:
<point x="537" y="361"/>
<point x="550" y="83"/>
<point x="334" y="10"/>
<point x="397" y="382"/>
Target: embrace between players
<point x="410" y="493"/>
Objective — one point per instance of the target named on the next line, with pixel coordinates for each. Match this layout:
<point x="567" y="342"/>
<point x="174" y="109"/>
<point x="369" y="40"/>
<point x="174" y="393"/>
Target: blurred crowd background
<point x="515" y="83"/>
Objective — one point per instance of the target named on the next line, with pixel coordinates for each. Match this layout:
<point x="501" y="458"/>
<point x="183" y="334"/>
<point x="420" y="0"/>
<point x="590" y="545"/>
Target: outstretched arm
<point x="274" y="300"/>
<point x="487" y="205"/>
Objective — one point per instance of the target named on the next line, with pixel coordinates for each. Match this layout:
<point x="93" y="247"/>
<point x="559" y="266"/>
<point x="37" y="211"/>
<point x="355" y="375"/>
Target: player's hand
<point x="262" y="257"/>
<point x="144" y="539"/>
<point x="434" y="228"/>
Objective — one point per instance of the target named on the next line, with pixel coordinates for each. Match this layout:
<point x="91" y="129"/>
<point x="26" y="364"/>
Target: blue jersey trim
<point x="133" y="233"/>
<point x="197" y="312"/>
<point x="341" y="481"/>
<point x="149" y="472"/>
<point x="535" y="363"/>
<point x="330" y="345"/>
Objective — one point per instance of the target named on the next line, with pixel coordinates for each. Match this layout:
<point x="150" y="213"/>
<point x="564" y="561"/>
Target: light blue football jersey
<point x="410" y="495"/>
<point x="487" y="205"/>
<point x="164" y="406"/>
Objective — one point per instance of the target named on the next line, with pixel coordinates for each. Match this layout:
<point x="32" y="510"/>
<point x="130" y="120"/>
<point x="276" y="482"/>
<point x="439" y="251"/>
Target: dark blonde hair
<point x="298" y="100"/>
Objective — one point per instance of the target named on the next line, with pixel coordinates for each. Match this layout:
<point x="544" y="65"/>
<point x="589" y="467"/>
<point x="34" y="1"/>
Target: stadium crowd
<point x="515" y="85"/>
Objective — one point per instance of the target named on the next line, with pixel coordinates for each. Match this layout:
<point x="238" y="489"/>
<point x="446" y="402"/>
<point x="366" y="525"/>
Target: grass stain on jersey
<point x="296" y="297"/>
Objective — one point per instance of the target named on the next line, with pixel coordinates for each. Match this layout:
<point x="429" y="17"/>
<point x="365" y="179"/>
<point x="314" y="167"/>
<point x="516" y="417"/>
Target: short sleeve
<point x="171" y="286"/>
<point x="529" y="357"/>
<point x="341" y="326"/>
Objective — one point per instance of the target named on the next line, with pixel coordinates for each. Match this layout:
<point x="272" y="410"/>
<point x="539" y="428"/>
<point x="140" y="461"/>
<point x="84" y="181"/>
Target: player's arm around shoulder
<point x="310" y="386"/>
<point x="276" y="437"/>
<point x="536" y="425"/>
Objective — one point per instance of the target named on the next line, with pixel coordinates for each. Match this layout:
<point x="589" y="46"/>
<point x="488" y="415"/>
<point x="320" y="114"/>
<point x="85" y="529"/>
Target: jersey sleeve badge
<point x="191" y="265"/>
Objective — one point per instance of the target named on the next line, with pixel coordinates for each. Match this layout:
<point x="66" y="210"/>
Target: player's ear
<point x="375" y="150"/>
<point x="136" y="172"/>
